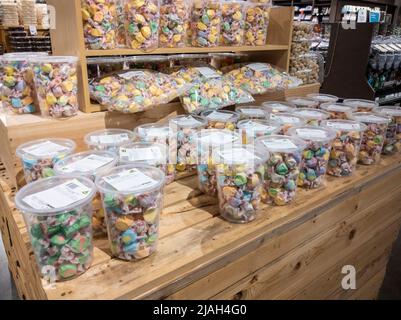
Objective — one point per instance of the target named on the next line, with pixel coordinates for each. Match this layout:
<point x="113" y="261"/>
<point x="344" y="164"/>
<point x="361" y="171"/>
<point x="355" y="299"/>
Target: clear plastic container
<point x="392" y="143"/>
<point x="287" y="121"/>
<point x="374" y="136"/>
<point x="58" y="215"/>
<point x="345" y="147"/>
<point x="205" y="23"/>
<point x="272" y="107"/>
<point x="322" y="98"/>
<point x="174" y="23"/>
<point x="208" y="142"/>
<point x="313" y="117"/>
<point x="282" y="169"/>
<point x="38" y="157"/>
<point x="184" y="127"/>
<point x="108" y="139"/>
<point x="362" y="105"/>
<point x="303" y="102"/>
<point x="240" y="172"/>
<point x="338" y="110"/>
<point x="252" y="129"/>
<point x="315" y="156"/>
<point x="251" y="112"/>
<point x="222" y="119"/>
<point x="256" y="24"/>
<point x="308" y="66"/>
<point x="142" y="24"/>
<point x="56" y="85"/>
<point x="233" y="23"/>
<point x="99" y="23"/>
<point x="132" y="198"/>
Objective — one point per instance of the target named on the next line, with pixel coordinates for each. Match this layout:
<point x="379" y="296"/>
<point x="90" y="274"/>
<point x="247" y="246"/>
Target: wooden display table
<point x="292" y="252"/>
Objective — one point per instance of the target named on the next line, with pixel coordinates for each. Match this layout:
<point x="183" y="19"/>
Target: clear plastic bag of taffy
<point x="302" y="31"/>
<point x="132" y="197"/>
<point x="142" y="24"/>
<point x="108" y="139"/>
<point x="345" y="147"/>
<point x="121" y="41"/>
<point x="99" y="23"/>
<point x="58" y="216"/>
<point x="256" y="23"/>
<point x="362" y="105"/>
<point x="338" y="110"/>
<point x="221" y="119"/>
<point x="392" y="143"/>
<point x="282" y="168"/>
<point x="287" y="121"/>
<point x="232" y="23"/>
<point x="315" y="156"/>
<point x="312" y="116"/>
<point x="38" y="157"/>
<point x="251" y="129"/>
<point x="240" y="172"/>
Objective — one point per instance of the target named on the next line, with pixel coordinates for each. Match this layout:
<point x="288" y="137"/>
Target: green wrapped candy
<point x="67" y="271"/>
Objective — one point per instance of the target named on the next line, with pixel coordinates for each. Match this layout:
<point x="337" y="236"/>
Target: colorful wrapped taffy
<point x="338" y="110"/>
<point x="108" y="139"/>
<point x="252" y="129"/>
<point x="142" y="24"/>
<point x="303" y="102"/>
<point x="345" y="148"/>
<point x="251" y="112"/>
<point x="132" y="198"/>
<point x="313" y="117"/>
<point x="362" y="105"/>
<point x="282" y="168"/>
<point x="222" y="119"/>
<point x="56" y="85"/>
<point x="273" y="107"/>
<point x="240" y="172"/>
<point x="100" y="23"/>
<point x="256" y="23"/>
<point x="374" y="136"/>
<point x="184" y="128"/>
<point x="148" y="153"/>
<point x="205" y="23"/>
<point x="38" y="157"/>
<point x="207" y="142"/>
<point x="392" y="144"/>
<point x="174" y="23"/>
<point x="233" y="23"/>
<point x="121" y="40"/>
<point x="58" y="216"/>
<point x="322" y="98"/>
<point x="287" y="121"/>
<point x="315" y="156"/>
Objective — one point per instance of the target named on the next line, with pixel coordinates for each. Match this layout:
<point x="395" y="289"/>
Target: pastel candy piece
<point x="51" y="230"/>
<point x="66" y="271"/>
<point x="240" y="179"/>
<point x="16" y="103"/>
<point x="151" y="215"/>
<point x="47" y="68"/>
<point x="131" y="248"/>
<point x="69" y="231"/>
<point x="110" y="201"/>
<point x="290" y="185"/>
<point x="47" y="172"/>
<point x="36" y="231"/>
<point x="152" y="239"/>
<point x="311" y="175"/>
<point x="282" y="169"/>
<point x="67" y="86"/>
<point x="128" y="237"/>
<point x="79" y="243"/>
<point x="84" y="222"/>
<point x="122" y="224"/>
<point x="142" y="252"/>
<point x="58" y="240"/>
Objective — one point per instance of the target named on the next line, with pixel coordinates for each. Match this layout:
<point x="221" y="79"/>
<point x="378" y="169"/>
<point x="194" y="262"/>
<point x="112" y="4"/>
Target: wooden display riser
<point x="291" y="252"/>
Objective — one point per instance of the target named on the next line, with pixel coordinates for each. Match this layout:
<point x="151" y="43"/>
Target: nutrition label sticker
<point x="312" y="133"/>
<point x="60" y="196"/>
<point x="280" y="144"/>
<point x="110" y="138"/>
<point x="343" y="125"/>
<point x="46" y="148"/>
<point x="89" y="163"/>
<point x="141" y="154"/>
<point x="208" y="73"/>
<point x="219" y="116"/>
<point x="253" y="112"/>
<point x="259" y="67"/>
<point x="130" y="180"/>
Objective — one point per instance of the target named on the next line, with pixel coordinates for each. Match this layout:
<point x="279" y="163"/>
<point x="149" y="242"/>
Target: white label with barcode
<point x="312" y="133"/>
<point x="219" y="116"/>
<point x="154" y="132"/>
<point x="217" y="138"/>
<point x="208" y="73"/>
<point x="253" y="112"/>
<point x="338" y="108"/>
<point x="239" y="154"/>
<point x="130" y="180"/>
<point x="280" y="144"/>
<point x="141" y="154"/>
<point x="343" y="125"/>
<point x="307" y="113"/>
<point x="89" y="163"/>
<point x="110" y="138"/>
<point x="254" y="126"/>
<point x="46" y="148"/>
<point x="260" y="67"/>
<point x="285" y="119"/>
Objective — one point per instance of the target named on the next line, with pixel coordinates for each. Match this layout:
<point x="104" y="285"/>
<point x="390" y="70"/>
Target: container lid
<point x="361" y="103"/>
<point x="88" y="163"/>
<point x="45" y="148"/>
<point x="370" y="117"/>
<point x="251" y="111"/>
<point x="143" y="152"/>
<point x="130" y="179"/>
<point x="310" y="133"/>
<point x="51" y="196"/>
<point x="220" y="115"/>
<point x="285" y="144"/>
<point x="109" y="137"/>
<point x="153" y="130"/>
<point x="256" y="125"/>
<point x="309" y="113"/>
<point x="303" y="102"/>
<point x="337" y="107"/>
<point x="278" y="106"/>
<point x="344" y="125"/>
<point x="321" y="97"/>
<point x="216" y="137"/>
<point x="189" y="121"/>
<point x="393" y="111"/>
<point x="241" y="154"/>
<point x="288" y="118"/>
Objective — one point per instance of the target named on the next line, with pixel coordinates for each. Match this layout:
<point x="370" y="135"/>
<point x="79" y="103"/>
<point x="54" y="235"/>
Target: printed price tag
<point x="334" y="107"/>
<point x="259" y="67"/>
<point x="141" y="154"/>
<point x="280" y="144"/>
<point x="312" y="133"/>
<point x="253" y="112"/>
<point x="188" y="121"/>
<point x="285" y="119"/>
<point x="46" y="148"/>
<point x="130" y="180"/>
<point x="343" y="125"/>
<point x="110" y="139"/>
<point x="239" y="154"/>
<point x="33" y="30"/>
<point x="208" y="73"/>
<point x="89" y="163"/>
<point x="219" y="116"/>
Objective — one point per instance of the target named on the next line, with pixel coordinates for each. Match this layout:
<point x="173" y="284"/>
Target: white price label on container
<point x="219" y="116"/>
<point x="312" y="133"/>
<point x="46" y="148"/>
<point x="208" y="73"/>
<point x="259" y="67"/>
<point x="89" y="163"/>
<point x="285" y="119"/>
<point x="110" y="139"/>
<point x="130" y="180"/>
<point x="253" y="112"/>
<point x="141" y="154"/>
<point x="343" y="125"/>
<point x="188" y="121"/>
<point x="280" y="144"/>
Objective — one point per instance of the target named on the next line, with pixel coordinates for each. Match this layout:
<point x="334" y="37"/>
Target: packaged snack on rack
<point x="287" y="121"/>
<point x="240" y="172"/>
<point x="322" y="98"/>
<point x="392" y="143"/>
<point x="303" y="102"/>
<point x="281" y="169"/>
<point x="208" y="142"/>
<point x="302" y="30"/>
<point x="56" y="85"/>
<point x="256" y="24"/>
<point x="58" y="215"/>
<point x="142" y="25"/>
<point x="308" y="67"/>
<point x="313" y="117"/>
<point x="221" y="119"/>
<point x="205" y="23"/>
<point x="251" y="112"/>
<point x="38" y="157"/>
<point x="338" y="110"/>
<point x="273" y="107"/>
<point x="233" y="23"/>
<point x="174" y="23"/>
<point x="99" y="23"/>
<point x="184" y="127"/>
<point x="252" y="129"/>
<point x="132" y="198"/>
<point x="345" y="147"/>
<point x="315" y="156"/>
<point x="374" y="136"/>
<point x="108" y="139"/>
<point x="362" y="105"/>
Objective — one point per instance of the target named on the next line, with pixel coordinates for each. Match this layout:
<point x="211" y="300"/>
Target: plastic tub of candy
<point x="240" y="171"/>
<point x="205" y="23"/>
<point x="108" y="139"/>
<point x="287" y="121"/>
<point x="362" y="105"/>
<point x="315" y="155"/>
<point x="313" y="117"/>
<point x="345" y="147"/>
<point x="303" y="102"/>
<point x="38" y="157"/>
<point x="174" y="23"/>
<point x="142" y="24"/>
<point x="184" y="127"/>
<point x="232" y="23"/>
<point x="251" y="129"/>
<point x="208" y="142"/>
<point x="132" y="198"/>
<point x="282" y="169"/>
<point x="338" y="110"/>
<point x="56" y="85"/>
<point x="322" y="98"/>
<point x="272" y="107"/>
<point x="58" y="212"/>
<point x="392" y="143"/>
<point x="222" y="119"/>
<point x="251" y="112"/>
<point x="256" y="24"/>
<point x="374" y="136"/>
<point x="302" y="30"/>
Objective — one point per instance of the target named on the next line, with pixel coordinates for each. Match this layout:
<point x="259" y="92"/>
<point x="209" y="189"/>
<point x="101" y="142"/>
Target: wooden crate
<point x="292" y="252"/>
